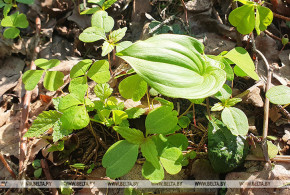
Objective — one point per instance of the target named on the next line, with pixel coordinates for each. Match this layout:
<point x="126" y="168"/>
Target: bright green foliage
<point x="80" y="68"/>
<point x="217" y="107"/>
<point x="171" y="160"/>
<point x="235" y="120"/>
<point x="102" y="5"/>
<point x="279" y="95"/>
<point x="107" y="48"/>
<point x="78" y="88"/>
<point x="103" y="91"/>
<point x="175" y="68"/>
<point x="232" y="102"/>
<point x="239" y="72"/>
<point x="37" y="166"/>
<point x="227" y="67"/>
<point x="91" y="10"/>
<point x="164" y="102"/>
<point x="44" y="121"/>
<point x="197" y="101"/>
<point x="119" y="116"/>
<point x="14" y="21"/>
<point x="161" y="120"/>
<point x="53" y="80"/>
<point x="134" y="112"/>
<point x="99" y="72"/>
<point x="285" y="40"/>
<point x="31" y="78"/>
<point x="117" y="35"/>
<point x="149" y="151"/>
<point x="46" y="64"/>
<point x="151" y="173"/>
<point x="120" y="158"/>
<point x="75" y="117"/>
<point x="272" y="150"/>
<point x="242" y="59"/>
<point x="108" y="4"/>
<point x="25" y="1"/>
<point x="225" y="151"/>
<point x="183" y="121"/>
<point x="133" y="87"/>
<point x="178" y="140"/>
<point x="224" y="93"/>
<point x="67" y="102"/>
<point x="250" y="16"/>
<point x="101" y="20"/>
<point x="59" y="133"/>
<point x="92" y="34"/>
<point x="133" y="136"/>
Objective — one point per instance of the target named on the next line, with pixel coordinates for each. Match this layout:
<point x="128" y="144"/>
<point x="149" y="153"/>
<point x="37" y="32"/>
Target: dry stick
<point x="24" y="125"/>
<point x="216" y="14"/>
<point x="279" y="158"/>
<point x="207" y="108"/>
<point x="274" y="37"/>
<point x="7" y="166"/>
<point x="47" y="174"/>
<point x="185" y="12"/>
<point x="238" y="35"/>
<point x="281" y="17"/>
<point x="267" y="102"/>
<point x="171" y="18"/>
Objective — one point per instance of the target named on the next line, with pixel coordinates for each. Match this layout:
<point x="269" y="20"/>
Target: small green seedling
<point x="100" y="5"/>
<point x="37" y="168"/>
<point x="249" y="16"/>
<point x="279" y="95"/>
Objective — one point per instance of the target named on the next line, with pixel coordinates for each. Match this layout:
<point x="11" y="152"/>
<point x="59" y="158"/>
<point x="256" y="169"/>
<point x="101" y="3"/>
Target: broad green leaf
<point x="133" y="87"/>
<point x="25" y="1"/>
<point x="6" y="10"/>
<point x="108" y="4"/>
<point x="80" y="68"/>
<point x="103" y="91"/>
<point x="279" y="94"/>
<point x="123" y="45"/>
<point x="99" y="2"/>
<point x="239" y="72"/>
<point x="2" y="4"/>
<point x="178" y="140"/>
<point x="107" y="48"/>
<point x="55" y="102"/>
<point x="36" y="163"/>
<point x="114" y="104"/>
<point x="227" y="67"/>
<point x="102" y="20"/>
<point x="37" y="173"/>
<point x="78" y="87"/>
<point x="151" y="173"/>
<point x="43" y="122"/>
<point x="104" y="115"/>
<point x="120" y="158"/>
<point x="224" y="93"/>
<point x="171" y="160"/>
<point x="119" y="116"/>
<point x="117" y="35"/>
<point x="161" y="120"/>
<point x="225" y="151"/>
<point x="257" y="22"/>
<point x="67" y="102"/>
<point x="92" y="34"/>
<point x="75" y="117"/>
<point x="245" y="2"/>
<point x="21" y="21"/>
<point x="31" y="78"/>
<point x="153" y="92"/>
<point x="99" y="72"/>
<point x="235" y="120"/>
<point x="243" y="60"/>
<point x="133" y="136"/>
<point x="46" y="64"/>
<point x="183" y="122"/>
<point x="161" y="143"/>
<point x="90" y="10"/>
<point x="165" y="102"/>
<point x="8" y="21"/>
<point x="11" y="33"/>
<point x="272" y="150"/>
<point x="134" y="112"/>
<point x="58" y="132"/>
<point x="243" y="18"/>
<point x="197" y="101"/>
<point x="174" y="66"/>
<point x="53" y="80"/>
<point x="266" y="17"/>
<point x="149" y="151"/>
<point x="90" y="106"/>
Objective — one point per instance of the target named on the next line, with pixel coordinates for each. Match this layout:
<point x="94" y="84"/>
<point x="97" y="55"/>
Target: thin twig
<point x="24" y="125"/>
<point x="47" y="174"/>
<point x="216" y="14"/>
<point x="278" y="158"/>
<point x="207" y="108"/>
<point x="185" y="12"/>
<point x="273" y="36"/>
<point x="187" y="110"/>
<point x="267" y="102"/>
<point x="281" y="17"/>
<point x="171" y="18"/>
<point x="6" y="165"/>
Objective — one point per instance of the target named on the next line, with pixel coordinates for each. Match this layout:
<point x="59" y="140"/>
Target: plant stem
<point x="148" y="100"/>
<point x="267" y="102"/>
<point x="185" y="111"/>
<point x="7" y="166"/>
<point x="193" y="115"/>
<point x="207" y="108"/>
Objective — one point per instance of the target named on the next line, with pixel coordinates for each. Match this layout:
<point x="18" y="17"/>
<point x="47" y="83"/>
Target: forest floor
<point x="207" y="21"/>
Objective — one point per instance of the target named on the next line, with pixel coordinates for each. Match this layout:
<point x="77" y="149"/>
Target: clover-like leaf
<point x="134" y="112"/>
<point x="133" y="87"/>
<point x="75" y="117"/>
<point x="174" y="66"/>
<point x="80" y="68"/>
<point x="117" y="35"/>
<point x="11" y="33"/>
<point x="279" y="95"/>
<point x="68" y="101"/>
<point x="46" y="64"/>
<point x="99" y="72"/>
<point x="78" y="87"/>
<point x="151" y="173"/>
<point x="133" y="136"/>
<point x="243" y="18"/>
<point x="92" y="34"/>
<point x="265" y="16"/>
<point x="171" y="160"/>
<point x="31" y="78"/>
<point x="149" y="151"/>
<point x="120" y="158"/>
<point x="103" y="91"/>
<point x="102" y="20"/>
<point x="53" y="80"/>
